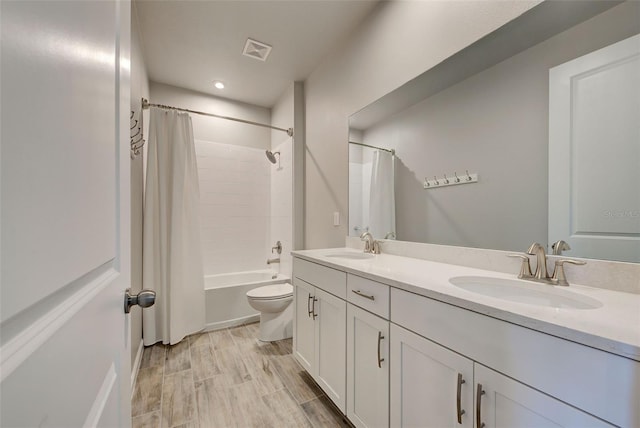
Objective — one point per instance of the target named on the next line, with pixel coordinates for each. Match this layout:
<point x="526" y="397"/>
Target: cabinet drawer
<point x="330" y="280"/>
<point x="370" y="295"/>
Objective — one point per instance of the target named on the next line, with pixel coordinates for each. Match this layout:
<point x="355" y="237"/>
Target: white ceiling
<point x="190" y="44"/>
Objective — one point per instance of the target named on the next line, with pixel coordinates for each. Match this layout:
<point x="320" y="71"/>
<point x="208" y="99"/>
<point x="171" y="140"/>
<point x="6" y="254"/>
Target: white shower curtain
<point x="172" y="253"/>
<point x="382" y="200"/>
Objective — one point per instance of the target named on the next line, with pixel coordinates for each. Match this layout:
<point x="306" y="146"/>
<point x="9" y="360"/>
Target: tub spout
<point x="276" y="260"/>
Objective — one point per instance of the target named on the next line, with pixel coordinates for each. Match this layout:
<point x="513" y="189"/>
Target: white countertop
<point x="614" y="327"/>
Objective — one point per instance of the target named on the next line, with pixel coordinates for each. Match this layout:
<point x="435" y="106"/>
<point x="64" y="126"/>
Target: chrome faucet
<point x="542" y="274"/>
<point x="370" y="244"/>
<point x="271" y="261"/>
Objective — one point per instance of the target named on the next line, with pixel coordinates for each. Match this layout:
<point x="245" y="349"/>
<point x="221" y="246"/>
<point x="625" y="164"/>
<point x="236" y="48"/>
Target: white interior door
<point x="594" y="153"/>
<point x="65" y="213"/>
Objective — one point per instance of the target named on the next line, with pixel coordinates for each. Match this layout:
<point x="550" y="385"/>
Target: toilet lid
<point x="273" y="291"/>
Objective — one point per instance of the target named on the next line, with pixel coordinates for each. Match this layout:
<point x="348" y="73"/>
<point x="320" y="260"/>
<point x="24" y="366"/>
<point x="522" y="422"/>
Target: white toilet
<point x="276" y="311"/>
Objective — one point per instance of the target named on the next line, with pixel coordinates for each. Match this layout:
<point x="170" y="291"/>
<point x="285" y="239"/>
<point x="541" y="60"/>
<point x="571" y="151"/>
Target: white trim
<point x="18" y="349"/>
<point x="101" y="399"/>
<point x="136" y="365"/>
<point x="231" y="323"/>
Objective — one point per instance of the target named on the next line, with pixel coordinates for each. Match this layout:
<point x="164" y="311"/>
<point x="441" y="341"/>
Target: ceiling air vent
<point x="256" y="49"/>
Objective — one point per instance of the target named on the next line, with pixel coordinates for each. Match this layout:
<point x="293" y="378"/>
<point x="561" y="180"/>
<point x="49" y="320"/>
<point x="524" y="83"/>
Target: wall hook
<point x="436" y="180"/>
<point x="446" y="180"/>
<point x="468" y="176"/>
<point x="457" y="180"/>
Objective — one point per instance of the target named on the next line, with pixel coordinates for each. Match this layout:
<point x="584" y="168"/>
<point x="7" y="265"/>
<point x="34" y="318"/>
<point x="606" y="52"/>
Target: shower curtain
<point x="382" y="201"/>
<point x="172" y="253"/>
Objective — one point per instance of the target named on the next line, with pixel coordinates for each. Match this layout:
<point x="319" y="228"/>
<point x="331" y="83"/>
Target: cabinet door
<point x="367" y="368"/>
<point x="304" y="325"/>
<point x="426" y="381"/>
<point x="508" y="403"/>
<point x="330" y="329"/>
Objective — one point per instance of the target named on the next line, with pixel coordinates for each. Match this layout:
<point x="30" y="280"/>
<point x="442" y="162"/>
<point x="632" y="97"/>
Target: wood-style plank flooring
<point x="228" y="378"/>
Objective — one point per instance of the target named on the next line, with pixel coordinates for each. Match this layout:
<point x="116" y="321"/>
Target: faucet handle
<point x="559" y="246"/>
<point x="558" y="276"/>
<point x="525" y="267"/>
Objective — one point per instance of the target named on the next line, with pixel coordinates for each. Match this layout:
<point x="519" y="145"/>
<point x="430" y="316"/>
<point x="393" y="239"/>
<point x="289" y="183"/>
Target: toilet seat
<point x="271" y="292"/>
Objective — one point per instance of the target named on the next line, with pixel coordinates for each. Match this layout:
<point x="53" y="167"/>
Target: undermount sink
<point x="525" y="292"/>
<point x="350" y="255"/>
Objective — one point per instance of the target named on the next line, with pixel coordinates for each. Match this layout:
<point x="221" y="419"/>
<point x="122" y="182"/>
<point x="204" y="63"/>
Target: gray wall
<point x="139" y="89"/>
<point x="494" y="124"/>
<point x="397" y="42"/>
<point x="213" y="129"/>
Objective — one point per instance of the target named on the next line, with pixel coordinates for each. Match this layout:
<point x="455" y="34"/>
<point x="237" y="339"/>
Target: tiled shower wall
<point x="235" y="206"/>
<point x="282" y="205"/>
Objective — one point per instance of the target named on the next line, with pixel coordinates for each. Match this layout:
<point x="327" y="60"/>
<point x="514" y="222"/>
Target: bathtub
<point x="225" y="297"/>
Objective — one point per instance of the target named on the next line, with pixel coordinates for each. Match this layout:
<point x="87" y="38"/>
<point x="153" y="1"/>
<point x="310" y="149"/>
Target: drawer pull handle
<point x="380" y="360"/>
<point x="366" y="296"/>
<point x="309" y="310"/>
<point x="459" y="411"/>
<point x="479" y="393"/>
<point x="313" y="309"/>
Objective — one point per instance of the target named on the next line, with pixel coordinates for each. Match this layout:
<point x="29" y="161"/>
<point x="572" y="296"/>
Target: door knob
<point x="144" y="299"/>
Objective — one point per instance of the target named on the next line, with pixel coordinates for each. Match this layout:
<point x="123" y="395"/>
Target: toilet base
<point x="276" y="326"/>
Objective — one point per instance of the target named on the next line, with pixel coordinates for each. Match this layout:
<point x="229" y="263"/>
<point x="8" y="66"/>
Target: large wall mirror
<point x="461" y="154"/>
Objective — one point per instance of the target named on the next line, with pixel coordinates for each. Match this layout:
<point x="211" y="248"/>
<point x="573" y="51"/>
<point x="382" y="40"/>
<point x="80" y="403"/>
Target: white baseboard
<point x="231" y="323"/>
<point x="136" y="366"/>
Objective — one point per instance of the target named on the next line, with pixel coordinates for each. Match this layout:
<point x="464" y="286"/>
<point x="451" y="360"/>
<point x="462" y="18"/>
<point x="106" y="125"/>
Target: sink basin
<point x="526" y="292"/>
<point x="351" y="255"/>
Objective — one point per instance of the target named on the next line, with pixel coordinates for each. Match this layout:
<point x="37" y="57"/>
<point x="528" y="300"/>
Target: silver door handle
<point x="459" y="410"/>
<point x="366" y="296"/>
<point x="380" y="360"/>
<point x="479" y="393"/>
<point x="144" y="299"/>
<point x="313" y="308"/>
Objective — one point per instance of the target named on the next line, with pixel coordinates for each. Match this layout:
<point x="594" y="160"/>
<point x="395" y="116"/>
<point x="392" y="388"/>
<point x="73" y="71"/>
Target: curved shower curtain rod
<point x="146" y="105"/>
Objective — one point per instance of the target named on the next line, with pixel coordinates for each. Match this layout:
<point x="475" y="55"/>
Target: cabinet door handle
<point x="366" y="296"/>
<point x="479" y="393"/>
<point x="313" y="309"/>
<point x="309" y="310"/>
<point x="380" y="360"/>
<point x="459" y="411"/>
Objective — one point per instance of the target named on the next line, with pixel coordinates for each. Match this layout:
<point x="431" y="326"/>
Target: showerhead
<point x="272" y="156"/>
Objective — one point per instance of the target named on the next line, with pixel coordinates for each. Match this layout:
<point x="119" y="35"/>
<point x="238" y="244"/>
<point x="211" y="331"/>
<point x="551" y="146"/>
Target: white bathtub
<point x="225" y="297"/>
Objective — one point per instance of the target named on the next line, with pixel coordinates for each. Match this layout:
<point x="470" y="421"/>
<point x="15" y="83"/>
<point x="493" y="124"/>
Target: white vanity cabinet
<point x="534" y="379"/>
<point x="390" y="357"/>
<point x="434" y="387"/>
<point x="319" y="337"/>
<point x="504" y="402"/>
<point x="367" y="353"/>
<point x="304" y="336"/>
<point x="431" y="386"/>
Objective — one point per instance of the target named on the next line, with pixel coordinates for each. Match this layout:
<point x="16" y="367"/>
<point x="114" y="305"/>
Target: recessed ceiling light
<point x="218" y="85"/>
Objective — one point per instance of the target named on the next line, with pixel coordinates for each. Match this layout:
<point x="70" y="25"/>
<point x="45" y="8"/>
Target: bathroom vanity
<point x="397" y="341"/>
